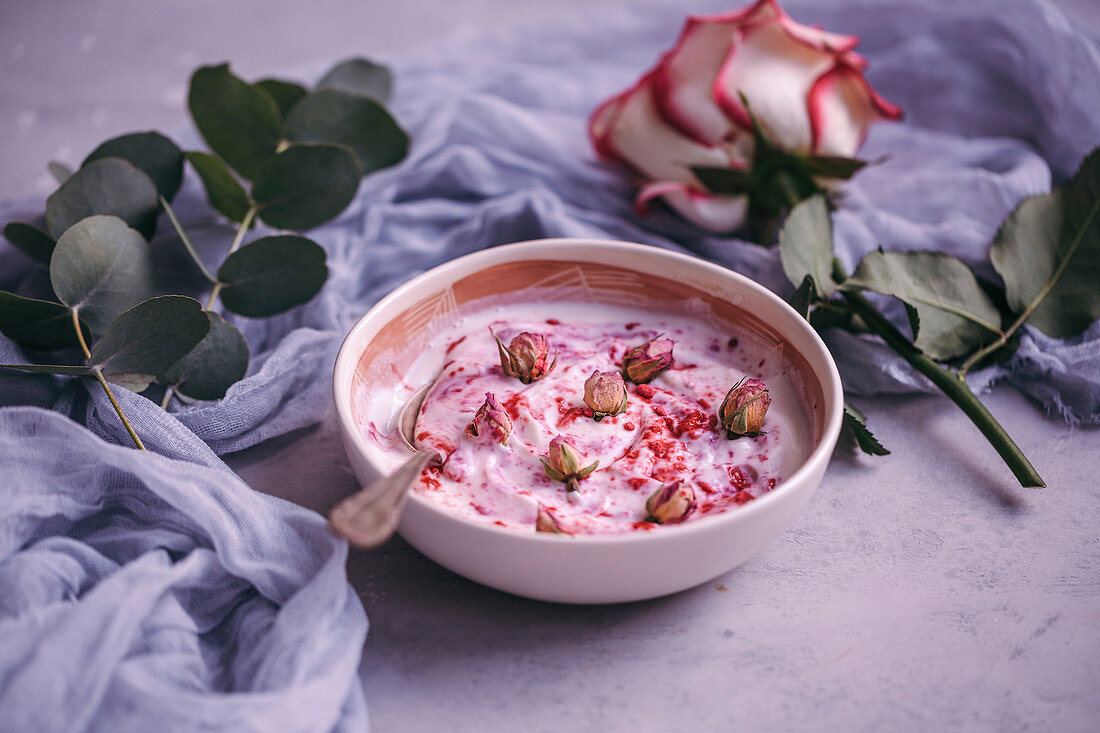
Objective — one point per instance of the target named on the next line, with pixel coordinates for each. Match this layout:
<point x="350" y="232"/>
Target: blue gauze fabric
<point x="155" y="589"/>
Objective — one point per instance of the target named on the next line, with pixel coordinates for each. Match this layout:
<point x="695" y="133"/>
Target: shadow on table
<point x="932" y="426"/>
<point x="424" y="616"/>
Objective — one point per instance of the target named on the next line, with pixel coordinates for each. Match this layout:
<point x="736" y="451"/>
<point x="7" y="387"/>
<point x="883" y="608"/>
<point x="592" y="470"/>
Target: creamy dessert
<point x="584" y="418"/>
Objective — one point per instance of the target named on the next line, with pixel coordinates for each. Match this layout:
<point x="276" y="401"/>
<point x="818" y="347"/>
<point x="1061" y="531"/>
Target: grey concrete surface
<point x="918" y="591"/>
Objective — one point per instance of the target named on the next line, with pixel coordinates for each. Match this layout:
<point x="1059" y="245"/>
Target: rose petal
<point x="855" y="60"/>
<point x="651" y="191"/>
<point x="637" y="135"/>
<point x="721" y="214"/>
<point x="684" y="77"/>
<point x="816" y="37"/>
<point x="775" y="70"/>
<point x="599" y="125"/>
<point x="842" y="107"/>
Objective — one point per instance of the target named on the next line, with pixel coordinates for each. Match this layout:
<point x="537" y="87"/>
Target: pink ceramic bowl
<point x="598" y="568"/>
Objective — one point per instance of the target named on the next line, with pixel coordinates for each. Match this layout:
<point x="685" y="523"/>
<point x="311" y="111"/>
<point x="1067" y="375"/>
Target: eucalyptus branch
<point x="118" y="408"/>
<point x="246" y="222"/>
<point x="101" y="218"/>
<point x="238" y="238"/>
<point x="80" y="334"/>
<point x="182" y="234"/>
<point x="98" y="374"/>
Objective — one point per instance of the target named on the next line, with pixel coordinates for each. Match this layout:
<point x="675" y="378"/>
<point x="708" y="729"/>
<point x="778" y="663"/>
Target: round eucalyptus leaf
<point x="285" y="93"/>
<point x="101" y="267"/>
<point x="362" y="124"/>
<point x="272" y="275"/>
<point x="306" y="185"/>
<point x="359" y="76"/>
<point x="222" y="188"/>
<point x="218" y="362"/>
<point x="159" y="157"/>
<point x="38" y="324"/>
<point x="238" y="121"/>
<point x="31" y="240"/>
<point x="109" y="186"/>
<point x="148" y="339"/>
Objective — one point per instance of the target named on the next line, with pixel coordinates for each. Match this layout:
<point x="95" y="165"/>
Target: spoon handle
<point x="370" y="516"/>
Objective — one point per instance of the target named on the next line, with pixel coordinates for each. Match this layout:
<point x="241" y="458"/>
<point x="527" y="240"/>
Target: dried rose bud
<point x="671" y="504"/>
<point x="742" y="412"/>
<point x="563" y="463"/>
<point x="527" y="357"/>
<point x="545" y="522"/>
<point x="605" y="393"/>
<point x="642" y="364"/>
<point x="490" y="420"/>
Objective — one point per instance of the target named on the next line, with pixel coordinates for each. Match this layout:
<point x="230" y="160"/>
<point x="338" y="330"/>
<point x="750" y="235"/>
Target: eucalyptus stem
<point x="217" y="289"/>
<point x="953" y="385"/>
<point x="186" y="240"/>
<point x="103" y="382"/>
<point x="245" y="223"/>
<point x="118" y="408"/>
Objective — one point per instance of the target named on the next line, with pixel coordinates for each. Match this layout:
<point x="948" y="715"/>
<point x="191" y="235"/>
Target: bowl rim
<point x="832" y="389"/>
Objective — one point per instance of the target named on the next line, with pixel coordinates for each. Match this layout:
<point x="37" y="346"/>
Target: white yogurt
<point x="669" y="429"/>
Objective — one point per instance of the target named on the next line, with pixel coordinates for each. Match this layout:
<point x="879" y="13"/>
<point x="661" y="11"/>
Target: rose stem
<point x="953" y="385"/>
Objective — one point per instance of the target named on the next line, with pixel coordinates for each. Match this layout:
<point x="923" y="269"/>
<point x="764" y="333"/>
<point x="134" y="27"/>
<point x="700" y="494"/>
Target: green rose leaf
<point x="285" y="93"/>
<point x="360" y="123"/>
<point x="803" y="298"/>
<point x="218" y="362"/>
<point x="108" y="186"/>
<point x="59" y="171"/>
<point x="824" y="317"/>
<point x="160" y="158"/>
<point x="148" y="339"/>
<point x="779" y="184"/>
<point x="914" y="319"/>
<point x="101" y="267"/>
<point x="867" y="442"/>
<point x="724" y="181"/>
<point x="806" y="245"/>
<point x="238" y="121"/>
<point x="272" y="275"/>
<point x="38" y="324"/>
<point x="31" y="240"/>
<point x="359" y="76"/>
<point x="306" y="185"/>
<point x="1048" y="254"/>
<point x="833" y="166"/>
<point x="955" y="314"/>
<point x="223" y="190"/>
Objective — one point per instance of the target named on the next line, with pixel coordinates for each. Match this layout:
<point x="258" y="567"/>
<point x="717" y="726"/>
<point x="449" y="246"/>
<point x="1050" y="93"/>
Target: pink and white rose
<point x="804" y="87"/>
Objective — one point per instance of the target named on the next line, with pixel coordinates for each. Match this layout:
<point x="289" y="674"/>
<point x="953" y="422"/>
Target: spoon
<point x="370" y="516"/>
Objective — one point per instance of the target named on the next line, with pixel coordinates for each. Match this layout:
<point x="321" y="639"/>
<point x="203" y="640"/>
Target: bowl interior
<point x="397" y="330"/>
